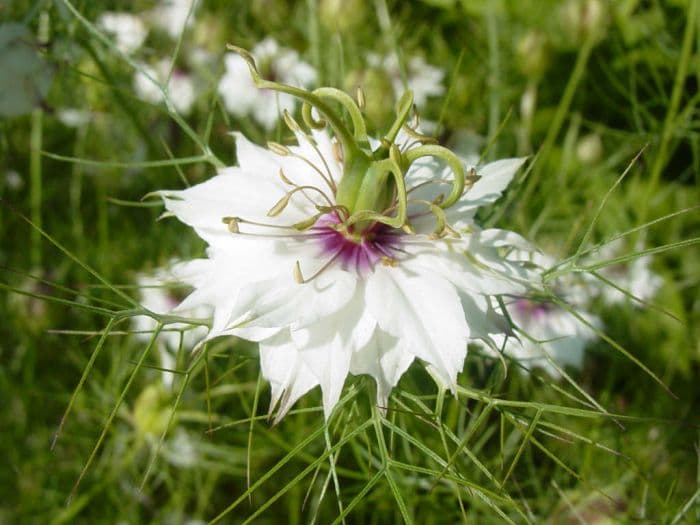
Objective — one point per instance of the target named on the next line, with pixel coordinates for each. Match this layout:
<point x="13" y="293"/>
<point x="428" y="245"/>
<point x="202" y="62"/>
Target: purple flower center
<point x="531" y="309"/>
<point x="360" y="251"/>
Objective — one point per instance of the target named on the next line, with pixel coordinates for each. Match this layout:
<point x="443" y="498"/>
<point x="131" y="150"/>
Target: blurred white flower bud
<point x="589" y="149"/>
<point x="584" y="19"/>
<point x="532" y="54"/>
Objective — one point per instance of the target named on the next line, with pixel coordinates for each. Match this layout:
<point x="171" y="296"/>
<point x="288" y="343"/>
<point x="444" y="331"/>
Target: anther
<point x="471" y="178"/>
<point x="389" y="261"/>
<point x="280" y="205"/>
<point x="279" y="149"/>
<point x="292" y="124"/>
<point x="361" y="102"/>
<point x="232" y="223"/>
<point x="408" y="228"/>
<point x="298" y="277"/>
<point x="338" y="151"/>
<point x="306" y="223"/>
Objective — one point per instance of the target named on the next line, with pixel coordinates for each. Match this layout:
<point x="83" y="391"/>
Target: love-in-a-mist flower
<point x="343" y="256"/>
<point x="635" y="276"/>
<point x="546" y="335"/>
<point x="242" y="97"/>
<point x="160" y="294"/>
<point x="172" y="15"/>
<point x="128" y="30"/>
<point x="180" y="89"/>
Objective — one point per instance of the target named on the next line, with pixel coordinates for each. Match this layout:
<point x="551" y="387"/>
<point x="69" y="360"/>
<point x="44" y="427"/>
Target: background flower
<point x="160" y="294"/>
<point x="180" y="88"/>
<point x="128" y="30"/>
<point x="240" y="95"/>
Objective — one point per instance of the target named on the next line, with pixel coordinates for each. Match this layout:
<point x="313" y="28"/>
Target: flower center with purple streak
<point x="359" y="251"/>
<point x="532" y="309"/>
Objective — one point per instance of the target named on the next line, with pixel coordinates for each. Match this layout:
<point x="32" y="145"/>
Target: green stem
<point x="310" y="99"/>
<point x="345" y="100"/>
<point x="493" y="78"/>
<point x="35" y="195"/>
<point x="76" y="190"/>
<point x="561" y="113"/>
<point x="669" y="122"/>
<point x="206" y="150"/>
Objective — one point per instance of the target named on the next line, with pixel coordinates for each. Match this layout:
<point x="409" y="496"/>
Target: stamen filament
<point x="299" y="277"/>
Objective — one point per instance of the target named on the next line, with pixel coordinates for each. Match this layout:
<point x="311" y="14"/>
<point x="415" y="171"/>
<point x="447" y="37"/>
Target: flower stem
<point x="561" y="113"/>
<point x="35" y="192"/>
<point x="669" y="125"/>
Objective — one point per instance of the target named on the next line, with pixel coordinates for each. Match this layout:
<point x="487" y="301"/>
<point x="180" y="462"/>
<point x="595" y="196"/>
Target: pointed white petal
<point x="471" y="267"/>
<point x="281" y="302"/>
<point x="287" y="373"/>
<point x="495" y="178"/>
<point x="328" y="359"/>
<point x="386" y="359"/>
<point x="483" y="319"/>
<point x="232" y="193"/>
<point x="424" y="312"/>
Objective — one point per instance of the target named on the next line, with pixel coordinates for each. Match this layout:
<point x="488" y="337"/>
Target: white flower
<point x="181" y="89"/>
<point x="546" y="335"/>
<point x="369" y="302"/>
<point x="635" y="276"/>
<point x="240" y="95"/>
<point x="346" y="256"/>
<point x="172" y="15"/>
<point x="13" y="180"/>
<point x="158" y="294"/>
<point x="128" y="30"/>
<point x="422" y="79"/>
<point x="73" y="118"/>
<point x="181" y="450"/>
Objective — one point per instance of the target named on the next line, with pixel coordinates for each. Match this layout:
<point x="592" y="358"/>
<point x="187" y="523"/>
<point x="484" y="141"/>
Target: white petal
<point x="425" y="313"/>
<point x="287" y="373"/>
<point x="471" y="267"/>
<point x="232" y="193"/>
<point x="495" y="178"/>
<point x="484" y="321"/>
<point x="328" y="359"/>
<point x="281" y="302"/>
<point x="386" y="359"/>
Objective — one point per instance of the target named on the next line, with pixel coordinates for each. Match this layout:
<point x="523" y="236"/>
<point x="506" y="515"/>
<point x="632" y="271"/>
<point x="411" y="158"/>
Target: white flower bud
<point x="532" y="54"/>
<point x="589" y="149"/>
<point x="583" y="20"/>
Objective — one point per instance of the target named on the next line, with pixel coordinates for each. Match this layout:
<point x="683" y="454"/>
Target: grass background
<point x="516" y="448"/>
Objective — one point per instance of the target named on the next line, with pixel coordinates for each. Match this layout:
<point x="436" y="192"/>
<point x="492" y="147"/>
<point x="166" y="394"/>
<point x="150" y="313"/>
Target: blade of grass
<point x="115" y="409"/>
